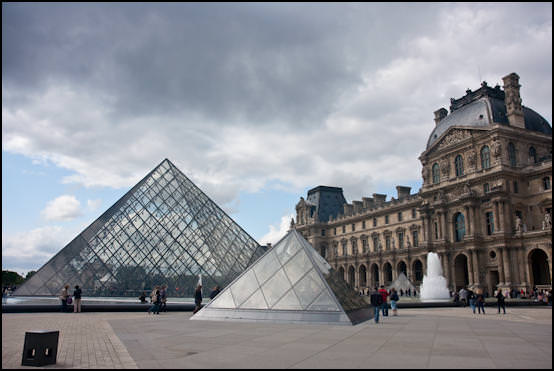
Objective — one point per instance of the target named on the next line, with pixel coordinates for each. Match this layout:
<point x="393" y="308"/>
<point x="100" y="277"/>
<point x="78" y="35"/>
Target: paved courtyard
<point x="417" y="338"/>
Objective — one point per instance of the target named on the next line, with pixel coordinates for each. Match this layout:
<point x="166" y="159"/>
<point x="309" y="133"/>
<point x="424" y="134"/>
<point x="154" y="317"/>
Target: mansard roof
<point x="483" y="108"/>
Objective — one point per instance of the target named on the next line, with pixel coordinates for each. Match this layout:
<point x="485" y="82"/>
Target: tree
<point x="10" y="278"/>
<point x="30" y="274"/>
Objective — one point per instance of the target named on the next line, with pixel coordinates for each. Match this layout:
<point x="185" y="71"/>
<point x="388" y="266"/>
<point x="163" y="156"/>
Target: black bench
<point x="40" y="348"/>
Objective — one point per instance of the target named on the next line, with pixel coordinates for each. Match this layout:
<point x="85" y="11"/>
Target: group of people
<point x="67" y="299"/>
<point x="158" y="299"/>
<point x="379" y="300"/>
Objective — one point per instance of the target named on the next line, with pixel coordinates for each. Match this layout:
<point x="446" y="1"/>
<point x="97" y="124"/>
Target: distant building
<point x="485" y="205"/>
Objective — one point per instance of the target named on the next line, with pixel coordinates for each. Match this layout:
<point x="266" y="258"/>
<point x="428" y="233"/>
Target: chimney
<point x="348" y="208"/>
<point x="379" y="199"/>
<point x="403" y="192"/>
<point x="369" y="202"/>
<point x="358" y="205"/>
<point x="514" y="109"/>
<point x="440" y="114"/>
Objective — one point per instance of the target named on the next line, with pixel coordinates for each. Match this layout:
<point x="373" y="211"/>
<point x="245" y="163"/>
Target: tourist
<point x="456" y="298"/>
<point x="463" y="296"/>
<point x="214" y="292"/>
<point x="63" y="297"/>
<point x="393" y="299"/>
<point x="197" y="298"/>
<point x="163" y="299"/>
<point x="77" y="299"/>
<point x="142" y="298"/>
<point x="384" y="304"/>
<point x="471" y="299"/>
<point x="154" y="296"/>
<point x="376" y="300"/>
<point x="480" y="299"/>
<point x="501" y="304"/>
<point x="409" y="292"/>
<point x="549" y="297"/>
<point x="401" y="292"/>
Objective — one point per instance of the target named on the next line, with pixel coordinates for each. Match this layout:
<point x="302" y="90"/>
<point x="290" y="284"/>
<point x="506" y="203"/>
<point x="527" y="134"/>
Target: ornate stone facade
<point x="487" y="212"/>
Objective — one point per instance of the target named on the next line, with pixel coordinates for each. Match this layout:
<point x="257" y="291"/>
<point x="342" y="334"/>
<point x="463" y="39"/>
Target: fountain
<point x="434" y="286"/>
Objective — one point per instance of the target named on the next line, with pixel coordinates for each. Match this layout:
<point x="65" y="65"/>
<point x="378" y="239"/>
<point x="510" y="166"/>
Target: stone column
<point x="469" y="221"/>
<point x="496" y="217"/>
<point x="424" y="224"/>
<point x="501" y="216"/>
<point x="475" y="267"/>
<point x="507" y="270"/>
<point x="508" y="215"/>
<point x="501" y="275"/>
<point x="442" y="235"/>
<point x="447" y="226"/>
<point x="472" y="216"/>
<point x="470" y="267"/>
<point x="522" y="263"/>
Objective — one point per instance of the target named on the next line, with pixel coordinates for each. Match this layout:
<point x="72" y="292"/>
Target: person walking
<point x="480" y="302"/>
<point x="197" y="298"/>
<point x="393" y="299"/>
<point x="384" y="305"/>
<point x="77" y="299"/>
<point x="163" y="299"/>
<point x="500" y="301"/>
<point x="63" y="297"/>
<point x="472" y="300"/>
<point x="154" y="296"/>
<point x="376" y="300"/>
<point x="463" y="296"/>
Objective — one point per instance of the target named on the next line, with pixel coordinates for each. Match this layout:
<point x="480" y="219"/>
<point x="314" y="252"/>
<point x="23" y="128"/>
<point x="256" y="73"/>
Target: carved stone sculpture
<point x="472" y="158"/>
<point x="496" y="149"/>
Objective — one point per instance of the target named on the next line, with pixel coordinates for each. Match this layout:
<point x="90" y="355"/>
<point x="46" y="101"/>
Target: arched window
<point x="485" y="157"/>
<point x="512" y="154"/>
<point x="459" y="164"/>
<point x="533" y="154"/>
<point x="460" y="227"/>
<point x="436" y="174"/>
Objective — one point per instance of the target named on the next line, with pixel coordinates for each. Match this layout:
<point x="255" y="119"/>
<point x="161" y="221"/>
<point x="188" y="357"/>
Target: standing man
<point x="384" y="306"/>
<point x="376" y="300"/>
<point x="77" y="299"/>
<point x="197" y="298"/>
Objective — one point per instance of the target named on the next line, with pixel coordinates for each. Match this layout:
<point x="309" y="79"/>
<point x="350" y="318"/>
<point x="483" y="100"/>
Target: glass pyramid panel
<point x="289" y="283"/>
<point x="165" y="230"/>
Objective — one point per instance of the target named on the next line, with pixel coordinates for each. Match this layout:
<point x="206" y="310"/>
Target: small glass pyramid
<point x="165" y="230"/>
<point x="290" y="283"/>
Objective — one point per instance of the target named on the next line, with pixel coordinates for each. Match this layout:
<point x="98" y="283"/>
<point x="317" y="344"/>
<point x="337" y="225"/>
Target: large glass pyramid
<point x="165" y="230"/>
<point x="290" y="283"/>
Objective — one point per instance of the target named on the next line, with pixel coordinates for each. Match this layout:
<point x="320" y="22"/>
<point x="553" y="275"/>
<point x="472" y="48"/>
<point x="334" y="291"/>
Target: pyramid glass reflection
<point x="165" y="230"/>
<point x="290" y="283"/>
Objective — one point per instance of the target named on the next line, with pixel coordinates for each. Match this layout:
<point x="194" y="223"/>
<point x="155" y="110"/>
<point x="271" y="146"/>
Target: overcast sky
<point x="256" y="103"/>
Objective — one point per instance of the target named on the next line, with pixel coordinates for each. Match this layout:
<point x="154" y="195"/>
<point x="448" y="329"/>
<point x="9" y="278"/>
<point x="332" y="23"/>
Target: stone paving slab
<point x="417" y="338"/>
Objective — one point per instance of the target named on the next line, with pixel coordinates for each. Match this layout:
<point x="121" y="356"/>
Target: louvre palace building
<point x="485" y="205"/>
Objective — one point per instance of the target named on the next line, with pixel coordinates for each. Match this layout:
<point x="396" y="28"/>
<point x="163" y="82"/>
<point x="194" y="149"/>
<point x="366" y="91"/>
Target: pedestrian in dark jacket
<point x="376" y="300"/>
<point x="77" y="299"/>
<point x="215" y="291"/>
<point x="197" y="298"/>
<point x="480" y="302"/>
<point x="501" y="304"/>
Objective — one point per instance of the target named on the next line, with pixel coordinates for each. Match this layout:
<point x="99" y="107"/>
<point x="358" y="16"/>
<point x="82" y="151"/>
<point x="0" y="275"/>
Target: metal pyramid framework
<point x="290" y="283"/>
<point x="165" y="230"/>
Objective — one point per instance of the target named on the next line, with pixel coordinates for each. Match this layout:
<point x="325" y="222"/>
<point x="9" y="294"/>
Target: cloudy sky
<point x="256" y="103"/>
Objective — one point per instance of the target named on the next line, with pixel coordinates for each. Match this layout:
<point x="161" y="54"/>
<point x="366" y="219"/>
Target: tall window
<point x="344" y="249"/>
<point x="490" y="223"/>
<point x="363" y="224"/>
<point x="415" y="238"/>
<point x="343" y="229"/>
<point x="335" y="231"/>
<point x="436" y="231"/>
<point x="400" y="216"/>
<point x="516" y="188"/>
<point x="375" y="222"/>
<point x="546" y="182"/>
<point x="512" y="154"/>
<point x="413" y="213"/>
<point x="486" y="188"/>
<point x="436" y="174"/>
<point x="386" y="219"/>
<point x="460" y="227"/>
<point x="353" y="227"/>
<point x="387" y="242"/>
<point x="400" y="240"/>
<point x="533" y="154"/>
<point x="323" y="232"/>
<point x="364" y="245"/>
<point x="375" y="243"/>
<point x="485" y="157"/>
<point x="459" y="164"/>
